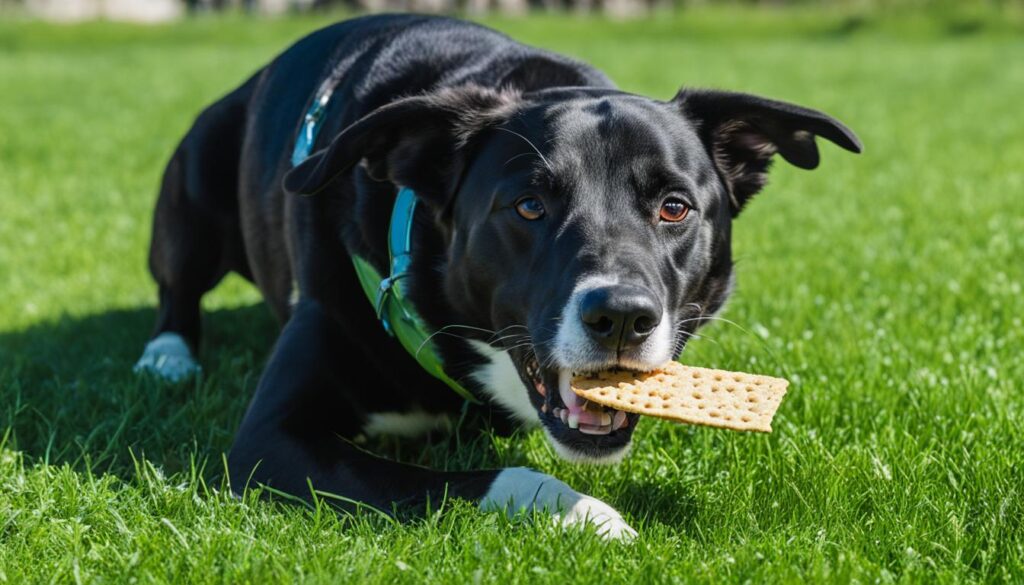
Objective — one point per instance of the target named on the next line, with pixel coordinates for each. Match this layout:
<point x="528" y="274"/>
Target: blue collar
<point x="387" y="295"/>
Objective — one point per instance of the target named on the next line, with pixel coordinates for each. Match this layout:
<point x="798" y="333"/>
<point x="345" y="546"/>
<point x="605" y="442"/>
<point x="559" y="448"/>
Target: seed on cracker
<point x="700" y="396"/>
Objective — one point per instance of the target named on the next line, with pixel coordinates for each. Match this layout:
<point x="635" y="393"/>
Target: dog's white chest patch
<point x="405" y="424"/>
<point x="502" y="383"/>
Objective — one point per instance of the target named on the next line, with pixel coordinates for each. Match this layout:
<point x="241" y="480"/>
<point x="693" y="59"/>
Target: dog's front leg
<point x="292" y="437"/>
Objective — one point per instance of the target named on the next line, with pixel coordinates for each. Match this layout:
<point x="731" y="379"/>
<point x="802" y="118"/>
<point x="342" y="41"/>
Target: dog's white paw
<point x="519" y="489"/>
<point x="605" y="519"/>
<point x="168" y="357"/>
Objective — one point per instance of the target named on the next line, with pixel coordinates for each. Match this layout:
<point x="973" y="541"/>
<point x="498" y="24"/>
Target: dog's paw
<point x="521" y="489"/>
<point x="605" y="519"/>
<point x="168" y="357"/>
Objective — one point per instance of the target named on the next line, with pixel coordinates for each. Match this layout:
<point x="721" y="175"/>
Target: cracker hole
<point x="701" y="406"/>
<point x="696" y="375"/>
<point x="745" y="418"/>
<point x="698" y="395"/>
<point x="714" y="414"/>
<point x="752" y="399"/>
<point x="718" y="377"/>
<point x="648" y="405"/>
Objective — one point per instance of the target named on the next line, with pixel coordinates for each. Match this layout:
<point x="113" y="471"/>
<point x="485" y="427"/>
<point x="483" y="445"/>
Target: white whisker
<point x="532" y="145"/>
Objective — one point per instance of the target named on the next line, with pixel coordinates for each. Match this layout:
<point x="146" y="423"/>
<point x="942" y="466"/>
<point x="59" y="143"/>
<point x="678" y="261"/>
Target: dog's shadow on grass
<point x="670" y="503"/>
<point x="68" y="394"/>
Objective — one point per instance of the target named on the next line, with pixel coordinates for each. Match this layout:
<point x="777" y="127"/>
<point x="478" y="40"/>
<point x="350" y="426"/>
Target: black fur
<point x="472" y="121"/>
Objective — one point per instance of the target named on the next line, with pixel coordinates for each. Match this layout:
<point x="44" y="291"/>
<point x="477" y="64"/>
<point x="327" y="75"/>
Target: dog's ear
<point x="742" y="132"/>
<point x="419" y="142"/>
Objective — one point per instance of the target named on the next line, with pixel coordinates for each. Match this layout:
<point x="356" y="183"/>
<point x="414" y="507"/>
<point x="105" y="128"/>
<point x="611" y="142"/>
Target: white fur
<point x="294" y="296"/>
<point x="574" y="348"/>
<point x="168" y="357"/>
<point x="520" y="489"/>
<point x="500" y="379"/>
<point x="572" y="343"/>
<point x="405" y="424"/>
<point x="656" y="350"/>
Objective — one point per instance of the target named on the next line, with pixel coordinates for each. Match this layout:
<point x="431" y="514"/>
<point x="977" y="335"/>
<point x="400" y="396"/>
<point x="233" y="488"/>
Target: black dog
<point x="557" y="225"/>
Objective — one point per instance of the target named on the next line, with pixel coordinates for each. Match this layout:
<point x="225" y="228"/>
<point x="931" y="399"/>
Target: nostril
<point x="644" y="325"/>
<point x="603" y="326"/>
<point x="619" y="317"/>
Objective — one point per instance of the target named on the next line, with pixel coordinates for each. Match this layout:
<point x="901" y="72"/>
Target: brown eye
<point x="674" y="210"/>
<point x="530" y="208"/>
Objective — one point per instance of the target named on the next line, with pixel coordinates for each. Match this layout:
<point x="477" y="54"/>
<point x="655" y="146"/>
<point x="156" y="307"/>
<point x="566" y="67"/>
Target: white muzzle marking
<point x="576" y="351"/>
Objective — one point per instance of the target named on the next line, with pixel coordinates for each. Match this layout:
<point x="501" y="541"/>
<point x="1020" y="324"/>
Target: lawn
<point x="887" y="287"/>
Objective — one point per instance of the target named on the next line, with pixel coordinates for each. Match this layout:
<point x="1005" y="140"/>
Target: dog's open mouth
<point x="564" y="406"/>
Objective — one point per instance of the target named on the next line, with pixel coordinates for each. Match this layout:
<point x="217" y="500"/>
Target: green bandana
<point x="386" y="294"/>
<point x="388" y="298"/>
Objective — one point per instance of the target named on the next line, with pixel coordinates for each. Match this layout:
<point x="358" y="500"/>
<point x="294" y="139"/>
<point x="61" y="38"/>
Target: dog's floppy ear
<point x="418" y="142"/>
<point x="742" y="132"/>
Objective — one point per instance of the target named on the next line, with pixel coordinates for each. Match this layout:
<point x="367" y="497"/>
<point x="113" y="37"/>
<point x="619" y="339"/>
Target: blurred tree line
<point x="615" y="6"/>
<point x="159" y="10"/>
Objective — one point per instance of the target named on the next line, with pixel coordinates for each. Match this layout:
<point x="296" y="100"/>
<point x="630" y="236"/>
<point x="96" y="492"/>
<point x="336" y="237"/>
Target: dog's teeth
<point x="619" y="420"/>
<point x="606" y="419"/>
<point x="595" y="430"/>
<point x="573" y="420"/>
<point x="541" y="389"/>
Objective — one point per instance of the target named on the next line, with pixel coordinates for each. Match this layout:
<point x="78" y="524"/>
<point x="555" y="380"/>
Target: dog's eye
<point x="530" y="208"/>
<point x="674" y="210"/>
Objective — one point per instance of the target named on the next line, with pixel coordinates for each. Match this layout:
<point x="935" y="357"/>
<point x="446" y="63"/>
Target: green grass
<point x="888" y="287"/>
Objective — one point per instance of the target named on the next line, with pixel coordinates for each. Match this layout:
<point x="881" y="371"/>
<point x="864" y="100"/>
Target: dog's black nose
<point x="620" y="317"/>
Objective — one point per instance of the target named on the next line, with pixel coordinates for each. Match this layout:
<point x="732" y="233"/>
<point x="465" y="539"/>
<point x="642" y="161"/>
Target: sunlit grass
<point x="888" y="287"/>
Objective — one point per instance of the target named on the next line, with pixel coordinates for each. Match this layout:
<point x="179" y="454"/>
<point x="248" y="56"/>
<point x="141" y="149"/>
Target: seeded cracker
<point x="700" y="396"/>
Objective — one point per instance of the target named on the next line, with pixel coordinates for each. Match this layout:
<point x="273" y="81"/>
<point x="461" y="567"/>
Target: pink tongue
<point x="572" y="402"/>
<point x="590" y="418"/>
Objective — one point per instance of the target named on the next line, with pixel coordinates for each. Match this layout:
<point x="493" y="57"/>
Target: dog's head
<point x="585" y="229"/>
